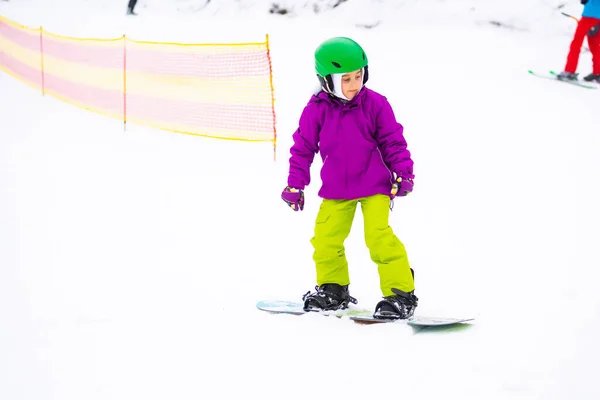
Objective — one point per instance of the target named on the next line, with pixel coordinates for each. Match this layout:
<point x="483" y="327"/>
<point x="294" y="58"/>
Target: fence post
<point x="42" y="60"/>
<point x="124" y="83"/>
<point x="272" y="99"/>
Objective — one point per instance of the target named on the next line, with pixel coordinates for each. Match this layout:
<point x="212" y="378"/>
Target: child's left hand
<point x="402" y="187"/>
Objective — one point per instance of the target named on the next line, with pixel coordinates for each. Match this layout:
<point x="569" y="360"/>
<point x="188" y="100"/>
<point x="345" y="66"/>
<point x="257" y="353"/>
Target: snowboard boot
<point x="567" y="76"/>
<point x="592" y="78"/>
<point x="329" y="296"/>
<point x="401" y="305"/>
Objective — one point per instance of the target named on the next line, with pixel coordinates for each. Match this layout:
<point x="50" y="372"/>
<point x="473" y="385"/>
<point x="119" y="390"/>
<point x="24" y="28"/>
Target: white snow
<point x="131" y="261"/>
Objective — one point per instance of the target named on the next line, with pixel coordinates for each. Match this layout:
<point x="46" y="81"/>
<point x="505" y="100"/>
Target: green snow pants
<point x="334" y="221"/>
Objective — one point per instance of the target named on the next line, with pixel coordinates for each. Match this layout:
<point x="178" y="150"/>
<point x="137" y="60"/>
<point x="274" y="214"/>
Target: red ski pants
<point x="583" y="27"/>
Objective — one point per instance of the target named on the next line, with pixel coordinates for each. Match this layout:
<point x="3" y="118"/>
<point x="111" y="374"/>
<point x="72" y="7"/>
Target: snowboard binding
<point x="401" y="305"/>
<point x="328" y="297"/>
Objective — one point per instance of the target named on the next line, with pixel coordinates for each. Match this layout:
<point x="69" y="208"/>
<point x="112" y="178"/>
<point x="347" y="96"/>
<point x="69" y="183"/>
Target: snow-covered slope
<point x="130" y="262"/>
<point x="542" y="16"/>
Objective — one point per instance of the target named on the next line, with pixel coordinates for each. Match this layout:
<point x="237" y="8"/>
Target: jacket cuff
<point x="295" y="184"/>
<point x="404" y="174"/>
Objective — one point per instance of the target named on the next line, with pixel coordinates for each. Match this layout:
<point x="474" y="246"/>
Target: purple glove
<point x="402" y="187"/>
<point x="293" y="197"/>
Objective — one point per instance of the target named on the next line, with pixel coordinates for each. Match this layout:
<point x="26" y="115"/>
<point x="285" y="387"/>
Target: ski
<point x="554" y="76"/>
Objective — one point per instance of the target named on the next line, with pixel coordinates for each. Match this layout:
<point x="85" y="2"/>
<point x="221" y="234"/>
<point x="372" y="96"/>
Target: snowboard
<point x="358" y="315"/>
<point x="553" y="76"/>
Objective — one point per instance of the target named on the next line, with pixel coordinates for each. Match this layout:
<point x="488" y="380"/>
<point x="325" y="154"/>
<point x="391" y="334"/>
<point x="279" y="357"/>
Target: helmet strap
<point x="326" y="83"/>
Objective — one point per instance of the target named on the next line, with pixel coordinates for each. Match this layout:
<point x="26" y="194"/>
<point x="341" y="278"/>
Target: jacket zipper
<point x="386" y="167"/>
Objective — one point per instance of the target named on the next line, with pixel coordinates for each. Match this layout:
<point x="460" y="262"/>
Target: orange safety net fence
<point x="217" y="90"/>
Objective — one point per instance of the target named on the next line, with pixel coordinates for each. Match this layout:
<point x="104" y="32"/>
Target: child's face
<point x="352" y="83"/>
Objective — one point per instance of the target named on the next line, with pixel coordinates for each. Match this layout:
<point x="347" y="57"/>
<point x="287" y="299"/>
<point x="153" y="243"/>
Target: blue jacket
<point x="592" y="9"/>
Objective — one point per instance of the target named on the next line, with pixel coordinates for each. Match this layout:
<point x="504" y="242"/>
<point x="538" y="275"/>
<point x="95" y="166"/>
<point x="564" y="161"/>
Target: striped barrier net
<point x="217" y="90"/>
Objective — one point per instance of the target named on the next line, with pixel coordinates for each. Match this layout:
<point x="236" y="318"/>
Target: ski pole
<point x="569" y="15"/>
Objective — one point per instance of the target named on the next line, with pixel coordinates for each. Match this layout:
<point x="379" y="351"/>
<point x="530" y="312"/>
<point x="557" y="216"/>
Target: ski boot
<point x="401" y="305"/>
<point x="328" y="297"/>
<point x="592" y="78"/>
<point x="567" y="76"/>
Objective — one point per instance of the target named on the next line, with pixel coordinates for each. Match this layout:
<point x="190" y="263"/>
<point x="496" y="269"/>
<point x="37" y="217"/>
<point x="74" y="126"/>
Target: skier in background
<point x="589" y="25"/>
<point x="131" y="7"/>
<point x="365" y="160"/>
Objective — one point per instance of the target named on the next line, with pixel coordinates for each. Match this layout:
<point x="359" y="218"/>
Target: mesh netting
<point x="217" y="90"/>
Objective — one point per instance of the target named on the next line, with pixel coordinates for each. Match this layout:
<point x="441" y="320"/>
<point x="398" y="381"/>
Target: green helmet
<point x="339" y="55"/>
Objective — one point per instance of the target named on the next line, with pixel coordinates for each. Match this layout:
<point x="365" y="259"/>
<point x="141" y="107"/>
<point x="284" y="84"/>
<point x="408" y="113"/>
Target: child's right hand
<point x="293" y="197"/>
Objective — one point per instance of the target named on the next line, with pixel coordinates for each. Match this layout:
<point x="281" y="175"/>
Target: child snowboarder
<point x="366" y="160"/>
<point x="589" y="25"/>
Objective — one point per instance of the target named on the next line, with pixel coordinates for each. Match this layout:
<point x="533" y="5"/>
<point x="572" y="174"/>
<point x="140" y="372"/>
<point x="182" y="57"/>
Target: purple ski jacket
<point x="360" y="142"/>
